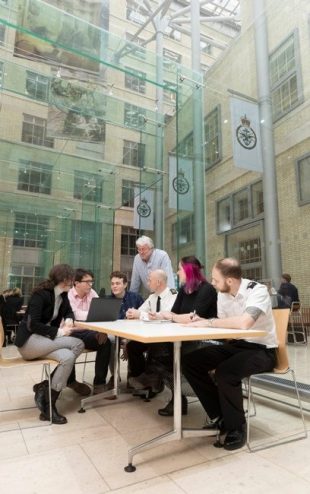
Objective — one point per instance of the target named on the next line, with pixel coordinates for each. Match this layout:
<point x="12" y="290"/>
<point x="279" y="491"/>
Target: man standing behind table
<point x="162" y="299"/>
<point x="242" y="304"/>
<point x="80" y="297"/>
<point x="148" y="259"/>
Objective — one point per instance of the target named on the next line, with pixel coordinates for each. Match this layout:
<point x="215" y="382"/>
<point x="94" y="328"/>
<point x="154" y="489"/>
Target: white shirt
<point x="166" y="302"/>
<point x="141" y="269"/>
<point x="250" y="294"/>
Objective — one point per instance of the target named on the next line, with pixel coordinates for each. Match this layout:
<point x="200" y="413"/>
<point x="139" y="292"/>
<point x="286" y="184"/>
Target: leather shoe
<point x="235" y="439"/>
<point x="80" y="388"/>
<point x="168" y="410"/>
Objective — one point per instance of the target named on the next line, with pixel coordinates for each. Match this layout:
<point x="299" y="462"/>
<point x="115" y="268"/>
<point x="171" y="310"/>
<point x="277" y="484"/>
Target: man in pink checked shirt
<point x="80" y="296"/>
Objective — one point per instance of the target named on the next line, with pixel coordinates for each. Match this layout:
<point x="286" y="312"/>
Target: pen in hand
<point x="193" y="314"/>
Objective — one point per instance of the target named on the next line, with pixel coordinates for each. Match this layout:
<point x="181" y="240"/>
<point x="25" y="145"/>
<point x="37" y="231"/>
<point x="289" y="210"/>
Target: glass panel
<point x="241" y="206"/>
<point x="304" y="179"/>
<point x="257" y="199"/>
<point x="224" y="215"/>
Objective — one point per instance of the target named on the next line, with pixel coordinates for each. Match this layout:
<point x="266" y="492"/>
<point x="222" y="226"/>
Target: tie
<point x="158" y="304"/>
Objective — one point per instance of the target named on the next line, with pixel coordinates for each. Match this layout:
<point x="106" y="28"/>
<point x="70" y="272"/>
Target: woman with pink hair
<point x="196" y="296"/>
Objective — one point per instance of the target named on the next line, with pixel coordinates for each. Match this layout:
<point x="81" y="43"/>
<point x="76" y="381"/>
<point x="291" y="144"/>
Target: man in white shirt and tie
<point x="161" y="299"/>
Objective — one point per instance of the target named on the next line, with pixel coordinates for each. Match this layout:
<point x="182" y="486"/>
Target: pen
<point x="193" y="314"/>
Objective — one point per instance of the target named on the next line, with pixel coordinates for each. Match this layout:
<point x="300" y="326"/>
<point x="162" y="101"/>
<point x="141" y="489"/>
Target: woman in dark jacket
<point x="44" y="332"/>
<point x="196" y="296"/>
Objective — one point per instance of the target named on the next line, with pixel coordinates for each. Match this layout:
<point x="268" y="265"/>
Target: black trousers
<point x="137" y="361"/>
<point x="97" y="342"/>
<point x="232" y="362"/>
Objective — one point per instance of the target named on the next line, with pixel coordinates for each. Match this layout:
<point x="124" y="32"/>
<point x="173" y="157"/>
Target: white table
<point x="152" y="332"/>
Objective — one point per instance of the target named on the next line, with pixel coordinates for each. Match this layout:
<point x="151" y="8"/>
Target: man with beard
<point x="241" y="304"/>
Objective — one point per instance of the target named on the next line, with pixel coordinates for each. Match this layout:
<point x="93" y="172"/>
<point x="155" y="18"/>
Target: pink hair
<point x="194" y="276"/>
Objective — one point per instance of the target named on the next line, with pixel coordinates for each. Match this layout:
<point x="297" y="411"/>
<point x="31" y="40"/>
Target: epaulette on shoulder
<point x="173" y="291"/>
<point x="252" y="284"/>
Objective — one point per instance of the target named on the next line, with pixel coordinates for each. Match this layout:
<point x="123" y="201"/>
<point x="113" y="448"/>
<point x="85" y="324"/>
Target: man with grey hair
<point x="162" y="299"/>
<point x="148" y="259"/>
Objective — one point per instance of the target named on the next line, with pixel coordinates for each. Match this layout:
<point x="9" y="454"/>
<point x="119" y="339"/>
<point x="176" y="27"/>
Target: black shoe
<point x="215" y="425"/>
<point x="235" y="439"/>
<point x="56" y="417"/>
<point x="168" y="410"/>
<point x="39" y="396"/>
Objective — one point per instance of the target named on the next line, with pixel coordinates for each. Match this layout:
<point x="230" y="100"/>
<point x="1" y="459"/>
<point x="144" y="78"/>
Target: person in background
<point x="287" y="290"/>
<point x="11" y="303"/>
<point x="148" y="259"/>
<point x="242" y="304"/>
<point x="80" y="297"/>
<point x="196" y="296"/>
<point x="45" y="332"/>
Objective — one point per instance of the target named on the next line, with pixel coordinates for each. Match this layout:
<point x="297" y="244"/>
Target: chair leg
<point x="302" y="434"/>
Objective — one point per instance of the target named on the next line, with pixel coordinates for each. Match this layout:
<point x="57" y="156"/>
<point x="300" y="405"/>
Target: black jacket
<point x="38" y="316"/>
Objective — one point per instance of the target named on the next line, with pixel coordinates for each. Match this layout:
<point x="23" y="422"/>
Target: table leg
<point x="177" y="433"/>
<point x="111" y="394"/>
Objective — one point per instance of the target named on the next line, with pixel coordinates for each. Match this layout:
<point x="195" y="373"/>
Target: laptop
<point x="104" y="309"/>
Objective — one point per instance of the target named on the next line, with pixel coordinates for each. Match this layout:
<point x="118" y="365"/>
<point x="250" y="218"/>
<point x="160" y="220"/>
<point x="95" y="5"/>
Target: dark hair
<point x="286" y="277"/>
<point x="192" y="269"/>
<point x="229" y="268"/>
<point x="119" y="274"/>
<point x="80" y="273"/>
<point x="59" y="273"/>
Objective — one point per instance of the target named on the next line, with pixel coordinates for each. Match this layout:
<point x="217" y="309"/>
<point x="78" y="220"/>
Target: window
<point x="171" y="56"/>
<point x="241" y="206"/>
<point x="128" y="193"/>
<point x="34" y="131"/>
<point x="26" y="277"/>
<point x="133" y="153"/>
<point x="224" y="215"/>
<point x="35" y="177"/>
<point x="87" y="187"/>
<point x="213" y="138"/>
<point x="183" y="231"/>
<point x="2" y="34"/>
<point x="135" y="80"/>
<point x="134" y="116"/>
<point x="170" y="92"/>
<point x="136" y="50"/>
<point x="257" y="199"/>
<point x="37" y="86"/>
<point x="129" y="237"/>
<point x="30" y="230"/>
<point x="135" y="12"/>
<point x="303" y="179"/>
<point x="186" y="147"/>
<point x="250" y="251"/>
<point x="285" y="77"/>
<point x="1" y="73"/>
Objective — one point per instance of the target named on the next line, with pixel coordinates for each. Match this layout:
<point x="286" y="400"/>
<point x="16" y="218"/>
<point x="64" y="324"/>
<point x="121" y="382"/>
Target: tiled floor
<point x="88" y="454"/>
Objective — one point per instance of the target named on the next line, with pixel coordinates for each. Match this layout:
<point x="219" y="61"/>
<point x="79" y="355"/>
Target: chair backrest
<point x="281" y="318"/>
<point x="2" y="335"/>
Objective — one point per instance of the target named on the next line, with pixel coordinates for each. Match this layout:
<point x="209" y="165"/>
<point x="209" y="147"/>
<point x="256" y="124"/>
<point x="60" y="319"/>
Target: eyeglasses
<point x="89" y="282"/>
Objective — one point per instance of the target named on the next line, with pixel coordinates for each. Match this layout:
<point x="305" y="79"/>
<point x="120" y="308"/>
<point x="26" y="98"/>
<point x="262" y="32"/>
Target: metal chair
<point x="281" y="317"/>
<point x="296" y="332"/>
<point x="13" y="362"/>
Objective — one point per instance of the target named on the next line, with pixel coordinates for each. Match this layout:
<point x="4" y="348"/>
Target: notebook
<point x="104" y="309"/>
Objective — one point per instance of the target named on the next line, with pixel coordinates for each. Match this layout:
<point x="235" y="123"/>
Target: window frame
<point x="34" y="77"/>
<point x="36" y="123"/>
<point x="38" y="224"/>
<point x="135" y="151"/>
<point x="287" y="76"/>
<point x="80" y="181"/>
<point x="31" y="170"/>
<point x="135" y="80"/>
<point x="218" y="136"/>
<point x="301" y="201"/>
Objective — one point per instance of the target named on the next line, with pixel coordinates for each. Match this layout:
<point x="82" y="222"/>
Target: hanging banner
<point x="180" y="184"/>
<point x="247" y="150"/>
<point x="143" y="209"/>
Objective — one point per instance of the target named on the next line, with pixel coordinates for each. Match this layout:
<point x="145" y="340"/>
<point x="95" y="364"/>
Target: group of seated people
<point x="50" y="328"/>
